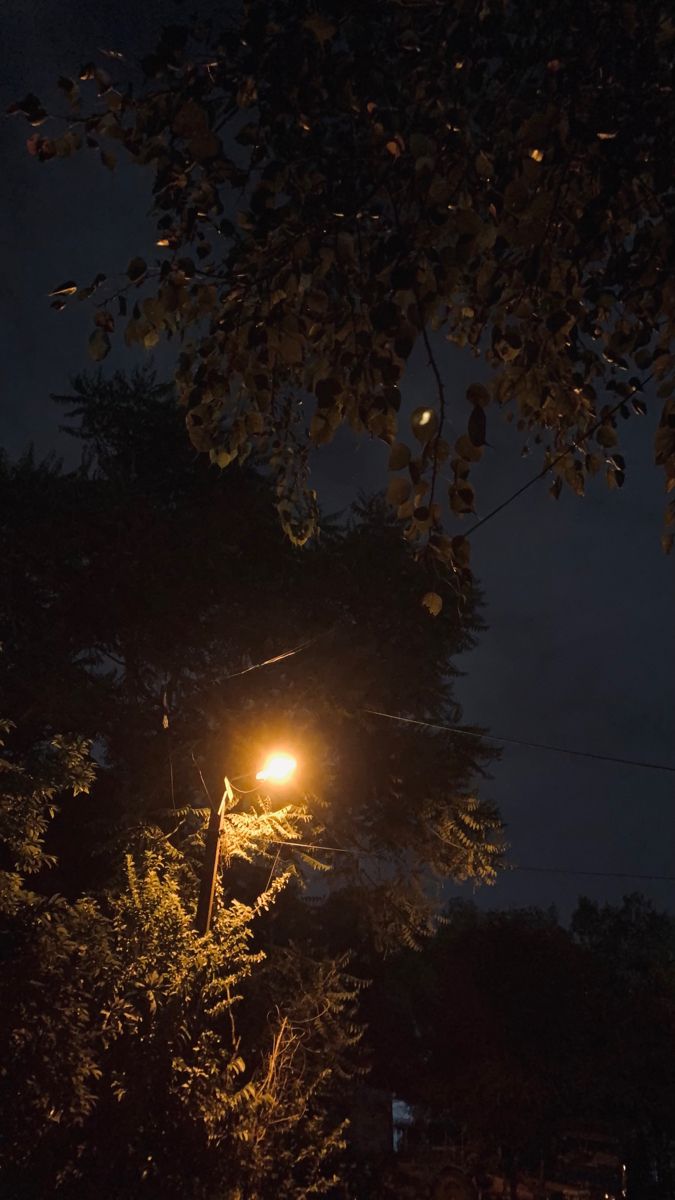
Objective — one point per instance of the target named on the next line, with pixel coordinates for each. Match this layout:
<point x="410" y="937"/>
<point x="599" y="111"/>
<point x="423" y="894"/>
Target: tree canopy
<point x="138" y="605"/>
<point x="333" y="184"/>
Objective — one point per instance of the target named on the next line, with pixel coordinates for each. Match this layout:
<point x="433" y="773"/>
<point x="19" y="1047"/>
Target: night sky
<point x="579" y="597"/>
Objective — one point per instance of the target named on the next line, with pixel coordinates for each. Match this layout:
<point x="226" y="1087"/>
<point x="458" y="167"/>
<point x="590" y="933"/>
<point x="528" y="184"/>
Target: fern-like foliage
<point x="142" y="1059"/>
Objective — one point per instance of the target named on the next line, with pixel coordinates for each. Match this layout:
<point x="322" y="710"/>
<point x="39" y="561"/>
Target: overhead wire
<point x="530" y="745"/>
<point x="599" y="874"/>
<point x="549" y="747"/>
<point x="570" y="447"/>
<point x="358" y="853"/>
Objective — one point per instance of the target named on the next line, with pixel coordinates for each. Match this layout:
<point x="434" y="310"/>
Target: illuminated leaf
<point x="433" y="603"/>
<point x="424" y="423"/>
<point x="64" y="289"/>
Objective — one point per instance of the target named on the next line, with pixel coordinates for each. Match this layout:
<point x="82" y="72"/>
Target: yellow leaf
<point x="64" y="289"/>
<point x="433" y="603"/>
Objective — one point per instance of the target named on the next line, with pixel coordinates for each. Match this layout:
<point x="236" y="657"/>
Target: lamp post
<point x="278" y="768"/>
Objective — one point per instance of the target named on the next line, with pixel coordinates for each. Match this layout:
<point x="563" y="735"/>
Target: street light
<point x="277" y="768"/>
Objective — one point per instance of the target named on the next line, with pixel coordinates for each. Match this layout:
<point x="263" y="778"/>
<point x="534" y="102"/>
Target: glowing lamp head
<point x="277" y="768"/>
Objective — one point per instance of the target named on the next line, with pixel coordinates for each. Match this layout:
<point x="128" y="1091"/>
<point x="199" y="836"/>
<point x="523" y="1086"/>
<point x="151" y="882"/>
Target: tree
<point x="125" y="1069"/>
<point x="137" y="599"/>
<point x="634" y="945"/>
<point x="334" y="184"/>
<point x="512" y="1028"/>
<point x="488" y="1028"/>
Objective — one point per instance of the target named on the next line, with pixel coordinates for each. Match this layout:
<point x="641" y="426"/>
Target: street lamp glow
<point x="277" y="768"/>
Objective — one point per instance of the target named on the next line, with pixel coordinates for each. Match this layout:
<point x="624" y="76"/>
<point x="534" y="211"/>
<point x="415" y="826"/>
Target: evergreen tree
<point x="140" y="589"/>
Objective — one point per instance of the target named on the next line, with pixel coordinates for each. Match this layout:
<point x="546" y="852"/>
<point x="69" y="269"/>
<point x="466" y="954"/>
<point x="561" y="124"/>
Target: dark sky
<point x="580" y="650"/>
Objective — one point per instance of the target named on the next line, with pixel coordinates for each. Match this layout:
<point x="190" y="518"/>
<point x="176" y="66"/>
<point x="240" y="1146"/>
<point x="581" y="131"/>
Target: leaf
<point x="103" y="80"/>
<point x="396" y="146"/>
<point x="399" y="456"/>
<point x="664" y="444"/>
<point x="424" y="423"/>
<point x="433" y="603"/>
<point x="248" y="93"/>
<point x="104" y="320"/>
<point x="462" y="498"/>
<point x="461" y="549"/>
<point x="398" y="491"/>
<point x="64" y="289"/>
<point x="31" y="108"/>
<point x="466" y="449"/>
<point x="321" y="27"/>
<point x="222" y="458"/>
<point x="478" y="394"/>
<point x="99" y="345"/>
<point x="136" y="269"/>
<point x="291" y="349"/>
<point x="606" y="436"/>
<point x="477" y="426"/>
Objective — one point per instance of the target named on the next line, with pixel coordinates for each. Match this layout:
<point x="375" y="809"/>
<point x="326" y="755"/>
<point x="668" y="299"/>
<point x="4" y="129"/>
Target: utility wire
<point x="508" y="867"/>
<point x="571" y="446"/>
<point x="600" y="874"/>
<point x="493" y="737"/>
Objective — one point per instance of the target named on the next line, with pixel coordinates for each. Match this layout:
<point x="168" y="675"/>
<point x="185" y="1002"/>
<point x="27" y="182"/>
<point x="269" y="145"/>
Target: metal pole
<point x="207" y="887"/>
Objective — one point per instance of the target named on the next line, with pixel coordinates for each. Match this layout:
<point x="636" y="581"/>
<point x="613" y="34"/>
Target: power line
<point x="493" y="737"/>
<point x="600" y="874"/>
<point x="559" y="457"/>
<point x="642" y="764"/>
<point x="509" y="866"/>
